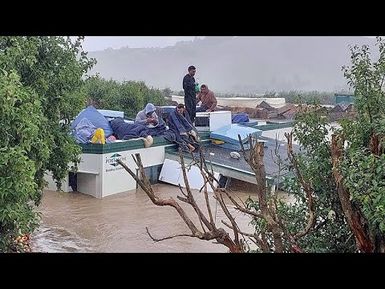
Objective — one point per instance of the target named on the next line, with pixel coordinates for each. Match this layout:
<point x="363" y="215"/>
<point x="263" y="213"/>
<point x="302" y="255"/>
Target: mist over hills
<point x="243" y="65"/>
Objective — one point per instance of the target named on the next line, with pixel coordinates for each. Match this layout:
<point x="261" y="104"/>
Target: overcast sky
<point x="94" y="43"/>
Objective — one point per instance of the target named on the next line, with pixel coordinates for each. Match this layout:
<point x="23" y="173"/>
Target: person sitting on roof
<point x="147" y="116"/>
<point x="180" y="124"/>
<point x="208" y="99"/>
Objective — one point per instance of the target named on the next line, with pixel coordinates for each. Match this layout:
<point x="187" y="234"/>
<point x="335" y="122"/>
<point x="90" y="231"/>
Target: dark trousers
<point x="201" y="108"/>
<point x="190" y="103"/>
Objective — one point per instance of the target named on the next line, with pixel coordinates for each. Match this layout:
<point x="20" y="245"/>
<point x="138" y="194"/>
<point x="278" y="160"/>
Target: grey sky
<point x="95" y="43"/>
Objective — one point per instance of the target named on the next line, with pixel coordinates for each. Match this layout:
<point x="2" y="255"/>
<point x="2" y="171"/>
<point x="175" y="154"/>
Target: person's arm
<point x="199" y="97"/>
<point x="214" y="101"/>
<point x="139" y="119"/>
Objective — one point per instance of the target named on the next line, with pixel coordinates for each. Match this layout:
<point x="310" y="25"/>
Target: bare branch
<point x="185" y="200"/>
<point x="219" y="234"/>
<point x="160" y="202"/>
<point x="239" y="231"/>
<point x="190" y="197"/>
<point x="243" y="203"/>
<point x="255" y="161"/>
<point x="240" y="208"/>
<point x="208" y="207"/>
<point x="257" y="240"/>
<point x="180" y="188"/>
<point x="167" y="238"/>
<point x="242" y="147"/>
<point x="306" y="186"/>
<point x="202" y="161"/>
<point x="228" y="215"/>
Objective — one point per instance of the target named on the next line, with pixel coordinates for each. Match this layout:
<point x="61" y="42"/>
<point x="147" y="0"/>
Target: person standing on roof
<point x="208" y="99"/>
<point x="147" y="116"/>
<point x="189" y="92"/>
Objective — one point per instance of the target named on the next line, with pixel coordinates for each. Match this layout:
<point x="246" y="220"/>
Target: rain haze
<point x="95" y="43"/>
<point x="230" y="64"/>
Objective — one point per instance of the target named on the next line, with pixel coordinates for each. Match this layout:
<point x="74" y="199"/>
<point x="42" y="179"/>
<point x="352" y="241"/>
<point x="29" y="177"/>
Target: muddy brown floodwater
<point x="74" y="222"/>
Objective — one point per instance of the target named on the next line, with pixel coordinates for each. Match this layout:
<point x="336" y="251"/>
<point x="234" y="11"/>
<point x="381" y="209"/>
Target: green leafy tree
<point x="360" y="145"/>
<point x="41" y="90"/>
<point x="330" y="232"/>
<point x="338" y="183"/>
<point x="21" y="119"/>
<point x="100" y="92"/>
<point x="129" y="96"/>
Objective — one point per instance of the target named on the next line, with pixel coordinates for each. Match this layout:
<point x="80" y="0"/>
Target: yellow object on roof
<point x="217" y="141"/>
<point x="99" y="136"/>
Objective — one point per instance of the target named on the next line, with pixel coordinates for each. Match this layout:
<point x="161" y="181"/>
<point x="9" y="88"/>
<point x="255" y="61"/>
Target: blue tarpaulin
<point x="240" y="117"/>
<point x="83" y="131"/>
<point x="229" y="133"/>
<point x="96" y="118"/>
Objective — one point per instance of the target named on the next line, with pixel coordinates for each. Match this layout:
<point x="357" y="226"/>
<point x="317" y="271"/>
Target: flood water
<point x="75" y="222"/>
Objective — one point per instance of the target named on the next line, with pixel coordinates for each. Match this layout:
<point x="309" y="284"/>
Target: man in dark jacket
<point x="189" y="92"/>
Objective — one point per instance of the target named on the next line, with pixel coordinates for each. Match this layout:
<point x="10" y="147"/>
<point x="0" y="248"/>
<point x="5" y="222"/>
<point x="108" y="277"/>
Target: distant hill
<point x="237" y="64"/>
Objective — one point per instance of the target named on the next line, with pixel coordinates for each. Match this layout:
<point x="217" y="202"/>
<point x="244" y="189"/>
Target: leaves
<point x="40" y="84"/>
<point x="129" y="96"/>
<point x="362" y="163"/>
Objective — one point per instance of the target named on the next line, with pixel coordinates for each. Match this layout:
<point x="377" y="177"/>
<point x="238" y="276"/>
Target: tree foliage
<point x="337" y="180"/>
<point x="41" y="90"/>
<point x="330" y="232"/>
<point x="345" y="172"/>
<point x="128" y="96"/>
<point x="363" y="162"/>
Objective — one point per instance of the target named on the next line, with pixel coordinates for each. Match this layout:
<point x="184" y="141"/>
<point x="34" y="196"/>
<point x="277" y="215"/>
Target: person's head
<point x="149" y="109"/>
<point x="192" y="70"/>
<point x="204" y="88"/>
<point x="180" y="108"/>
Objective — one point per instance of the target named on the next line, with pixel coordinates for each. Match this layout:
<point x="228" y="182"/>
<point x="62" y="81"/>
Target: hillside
<point x="237" y="64"/>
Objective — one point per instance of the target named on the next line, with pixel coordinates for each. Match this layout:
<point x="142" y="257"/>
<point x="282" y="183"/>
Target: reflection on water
<point x="74" y="222"/>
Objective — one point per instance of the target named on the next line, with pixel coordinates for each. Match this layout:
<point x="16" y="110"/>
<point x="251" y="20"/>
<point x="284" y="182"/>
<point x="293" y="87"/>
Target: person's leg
<point x="201" y="108"/>
<point x="73" y="181"/>
<point x="191" y="108"/>
<point x="188" y="105"/>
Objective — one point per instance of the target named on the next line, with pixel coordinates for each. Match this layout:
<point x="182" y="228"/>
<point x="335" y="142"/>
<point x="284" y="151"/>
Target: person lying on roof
<point x="147" y="116"/>
<point x="180" y="124"/>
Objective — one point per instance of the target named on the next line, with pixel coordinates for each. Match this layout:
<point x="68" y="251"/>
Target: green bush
<point x="40" y="92"/>
<point x="129" y="96"/>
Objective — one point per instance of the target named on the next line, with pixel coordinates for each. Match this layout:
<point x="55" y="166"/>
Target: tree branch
<point x="306" y="186"/>
<point x="258" y="241"/>
<point x="255" y="161"/>
<point x="353" y="215"/>
<point x="191" y="199"/>
<point x="228" y="215"/>
<point x="184" y="200"/>
<point x="167" y="238"/>
<point x="240" y="208"/>
<point x="219" y="234"/>
<point x="202" y="160"/>
<point x="183" y="193"/>
<point x="160" y="202"/>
